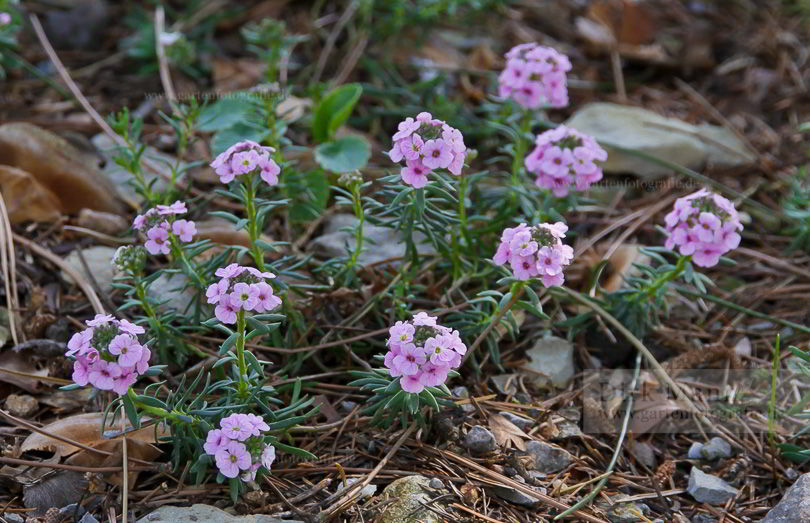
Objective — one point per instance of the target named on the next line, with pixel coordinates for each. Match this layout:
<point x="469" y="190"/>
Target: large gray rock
<point x="199" y="513"/>
<point x="706" y="488"/>
<point x="168" y="290"/>
<point x="381" y="243"/>
<point x="551" y="362"/>
<point x="518" y="497"/>
<point x="795" y="504"/>
<point x="548" y="458"/>
<point x="99" y="263"/>
<point x="406" y="499"/>
<point x="479" y="440"/>
<point x="667" y="138"/>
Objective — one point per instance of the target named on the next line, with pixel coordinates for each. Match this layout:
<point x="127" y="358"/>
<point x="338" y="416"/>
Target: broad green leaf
<point x="344" y="154"/>
<point x="308" y="193"/>
<point x="226" y="112"/>
<point x="333" y="110"/>
<point x="238" y="132"/>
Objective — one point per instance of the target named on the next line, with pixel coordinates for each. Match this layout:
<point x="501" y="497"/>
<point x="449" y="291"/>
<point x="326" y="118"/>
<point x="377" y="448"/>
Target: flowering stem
<point x="253" y="222"/>
<point x="140" y="290"/>
<point x="185" y="264"/>
<point x="357" y="202"/>
<point x="158" y="411"/>
<point x="520" y="151"/>
<point x="517" y="291"/>
<point x="462" y="227"/>
<point x="665" y="278"/>
<point x="240" y="353"/>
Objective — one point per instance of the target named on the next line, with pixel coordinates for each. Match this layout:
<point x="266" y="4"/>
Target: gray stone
<point x="365" y="492"/>
<point x="706" y="488"/>
<point x="518" y="497"/>
<point x="551" y="362"/>
<point x="643" y="452"/>
<point x="167" y="289"/>
<point x="479" y="440"/>
<point x="716" y="448"/>
<point x="199" y="513"/>
<point x="462" y="392"/>
<point x="88" y="518"/>
<point x="80" y="27"/>
<point x="667" y="138"/>
<point x="628" y="512"/>
<point x="519" y="421"/>
<point x="794" y="506"/>
<point x="703" y="518"/>
<point x="506" y="384"/>
<point x="405" y="501"/>
<point x="694" y="450"/>
<point x="22" y="405"/>
<point x="12" y="517"/>
<point x="381" y="243"/>
<point x="436" y="483"/>
<point x="99" y="262"/>
<point x="548" y="458"/>
<point x="567" y="430"/>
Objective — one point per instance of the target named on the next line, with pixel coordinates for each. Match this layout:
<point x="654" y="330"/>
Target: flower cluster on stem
<point x="563" y="157"/>
<point x="238" y="446"/>
<point x="108" y="354"/>
<point x="162" y="228"/>
<point x="245" y="158"/>
<point x="422" y="353"/>
<point x="536" y="252"/>
<point x="427" y="144"/>
<point x="535" y="76"/>
<point x="241" y="289"/>
<point x="703" y="225"/>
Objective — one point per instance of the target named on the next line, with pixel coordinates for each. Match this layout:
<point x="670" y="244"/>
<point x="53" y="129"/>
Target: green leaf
<point x="132" y="412"/>
<point x="333" y="110"/>
<point x="226" y="112"/>
<point x="344" y="154"/>
<point x="308" y="193"/>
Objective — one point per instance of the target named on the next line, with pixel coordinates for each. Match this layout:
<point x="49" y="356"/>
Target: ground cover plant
<point x="403" y="261"/>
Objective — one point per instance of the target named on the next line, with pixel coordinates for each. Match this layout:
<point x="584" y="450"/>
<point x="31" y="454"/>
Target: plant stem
<point x="253" y="222"/>
<point x="160" y="412"/>
<point x="777" y="362"/>
<point x="462" y="228"/>
<point x="667" y="277"/>
<point x="517" y="292"/>
<point x="240" y="354"/>
<point x="140" y="290"/>
<point x="520" y="152"/>
<point x="357" y="203"/>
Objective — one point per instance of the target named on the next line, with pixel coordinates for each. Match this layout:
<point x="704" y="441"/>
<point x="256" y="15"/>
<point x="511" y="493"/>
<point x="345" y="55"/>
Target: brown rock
<point x="21" y="405"/>
<point x="59" y="166"/>
<point x="27" y="199"/>
<point x="103" y="222"/>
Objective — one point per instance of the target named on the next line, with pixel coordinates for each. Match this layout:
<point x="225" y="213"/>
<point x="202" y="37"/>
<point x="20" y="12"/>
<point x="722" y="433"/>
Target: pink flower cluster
<point x="108" y="354"/>
<point x="5" y="19"/>
<point x="238" y="446"/>
<point x="536" y="252"/>
<point x="427" y="144"/>
<point x="241" y="289"/>
<point x="244" y="158"/>
<point x="563" y="157"/>
<point x="704" y="225"/>
<point x="535" y="76"/>
<point x="422" y="353"/>
<point x="162" y="226"/>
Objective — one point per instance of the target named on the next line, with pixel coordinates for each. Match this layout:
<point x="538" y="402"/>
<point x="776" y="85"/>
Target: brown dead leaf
<point x="235" y="75"/>
<point x="630" y="22"/>
<point x="84" y="429"/>
<point x="221" y="231"/>
<point x="507" y="432"/>
<point x="20" y="370"/>
<point x="136" y="449"/>
<point x="293" y="108"/>
<point x="26" y="198"/>
<point x="58" y="166"/>
<point x="648" y="414"/>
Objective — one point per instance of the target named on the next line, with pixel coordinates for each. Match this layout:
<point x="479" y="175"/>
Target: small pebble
<point x="436" y="483"/>
<point x="479" y="440"/>
<point x="21" y="405"/>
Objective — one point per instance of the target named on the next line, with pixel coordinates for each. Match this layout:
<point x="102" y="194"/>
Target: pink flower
<point x="535" y="76"/>
<point x="266" y="300"/>
<point x="103" y="373"/>
<point x="535" y="252"/>
<point x="157" y="242"/>
<point x="423" y="318"/>
<point x="214" y="441"/>
<point x="231" y="271"/>
<point x="406" y="128"/>
<point x="523" y="244"/>
<point x="232" y="458"/>
<point x="177" y="207"/>
<point x="524" y="267"/>
<point x="269" y="171"/>
<point x="226" y="311"/>
<point x="184" y="229"/>
<point x="139" y="222"/>
<point x="79" y="343"/>
<point x="130" y="328"/>
<point x="268" y="456"/>
<point x="5" y="19"/>
<point x="127" y="348"/>
<point x="409" y="359"/>
<point x="549" y="261"/>
<point x="412" y="383"/>
<point x="258" y="424"/>
<point x="216" y="291"/>
<point x="259" y="274"/>
<point x="122" y="383"/>
<point x="250" y="474"/>
<point x="236" y="427"/>
<point x="415" y="174"/>
<point x="143" y="365"/>
<point x="410" y="147"/>
<point x="402" y="332"/>
<point x="707" y="254"/>
<point x="436" y="154"/>
<point x="101" y="320"/>
<point x="245" y="162"/>
<point x="438" y="350"/>
<point x="433" y="374"/>
<point x="244" y="296"/>
<point x="564" y="157"/>
<point x="81" y="373"/>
